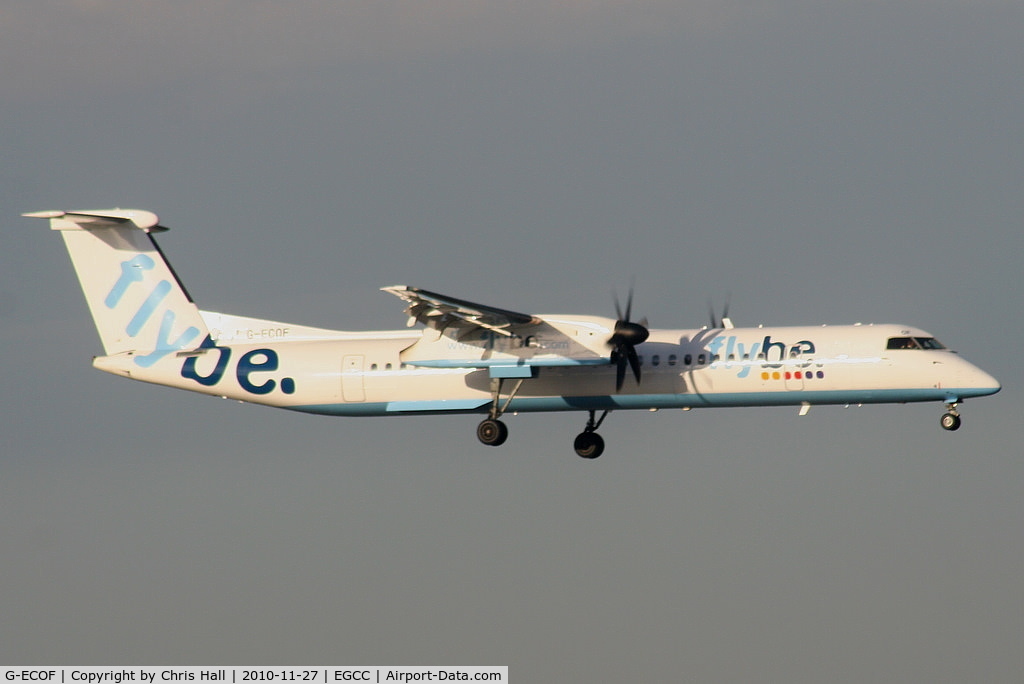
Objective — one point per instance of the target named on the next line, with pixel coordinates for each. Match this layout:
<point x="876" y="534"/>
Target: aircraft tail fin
<point x="135" y="297"/>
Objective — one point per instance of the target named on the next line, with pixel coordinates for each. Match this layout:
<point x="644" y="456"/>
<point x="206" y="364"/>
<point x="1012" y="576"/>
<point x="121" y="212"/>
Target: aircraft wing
<point x="442" y="312"/>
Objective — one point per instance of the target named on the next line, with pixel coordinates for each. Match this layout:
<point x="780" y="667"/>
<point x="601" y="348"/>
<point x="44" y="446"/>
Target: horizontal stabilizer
<point x="109" y="218"/>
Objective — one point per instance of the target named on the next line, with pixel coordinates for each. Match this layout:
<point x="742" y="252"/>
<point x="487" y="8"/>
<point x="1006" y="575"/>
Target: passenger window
<point x="688" y="360"/>
<point x="655" y="360"/>
<point x="671" y="359"/>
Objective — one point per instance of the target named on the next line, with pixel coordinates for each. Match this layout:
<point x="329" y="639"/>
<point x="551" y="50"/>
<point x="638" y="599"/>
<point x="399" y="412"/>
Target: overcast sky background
<point x="822" y="162"/>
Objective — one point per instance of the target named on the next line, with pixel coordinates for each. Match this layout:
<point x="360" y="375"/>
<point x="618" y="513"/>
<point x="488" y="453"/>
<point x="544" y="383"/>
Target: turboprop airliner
<point x="470" y="358"/>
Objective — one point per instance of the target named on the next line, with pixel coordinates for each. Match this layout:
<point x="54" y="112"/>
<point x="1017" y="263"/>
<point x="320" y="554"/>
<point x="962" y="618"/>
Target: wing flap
<point x="442" y="312"/>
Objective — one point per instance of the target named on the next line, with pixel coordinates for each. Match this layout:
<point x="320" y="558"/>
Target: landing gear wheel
<point x="589" y="444"/>
<point x="492" y="432"/>
<point x="951" y="421"/>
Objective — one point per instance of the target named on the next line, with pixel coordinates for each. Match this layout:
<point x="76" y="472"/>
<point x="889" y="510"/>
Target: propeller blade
<point x="626" y="336"/>
<point x="634" y="362"/>
<point x="720" y="322"/>
<point x="620" y="371"/>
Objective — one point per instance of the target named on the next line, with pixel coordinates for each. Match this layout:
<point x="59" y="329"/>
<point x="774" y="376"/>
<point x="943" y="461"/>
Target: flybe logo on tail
<point x="134" y="271"/>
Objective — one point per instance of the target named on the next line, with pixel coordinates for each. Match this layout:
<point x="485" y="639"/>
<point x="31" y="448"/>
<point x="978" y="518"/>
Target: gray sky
<point x="822" y="163"/>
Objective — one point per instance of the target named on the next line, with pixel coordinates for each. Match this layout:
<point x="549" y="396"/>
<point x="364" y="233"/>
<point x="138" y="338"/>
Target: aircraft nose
<point x="978" y="383"/>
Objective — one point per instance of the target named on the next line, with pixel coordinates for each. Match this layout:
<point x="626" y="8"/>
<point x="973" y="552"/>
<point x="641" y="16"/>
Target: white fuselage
<point x="476" y="358"/>
<point x="564" y="366"/>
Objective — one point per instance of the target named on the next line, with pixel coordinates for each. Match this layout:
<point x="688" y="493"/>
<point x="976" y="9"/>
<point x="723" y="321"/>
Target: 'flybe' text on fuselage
<point x="768" y="353"/>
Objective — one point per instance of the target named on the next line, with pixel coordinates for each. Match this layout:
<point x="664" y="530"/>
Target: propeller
<point x="724" y="321"/>
<point x="625" y="338"/>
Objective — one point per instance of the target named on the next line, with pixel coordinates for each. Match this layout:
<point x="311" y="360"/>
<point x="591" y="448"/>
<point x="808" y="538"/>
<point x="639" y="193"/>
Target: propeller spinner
<point x="625" y="339"/>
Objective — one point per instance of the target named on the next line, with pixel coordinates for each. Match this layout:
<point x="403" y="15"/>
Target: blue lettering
<point x="729" y="349"/>
<point x="767" y="346"/>
<point x="164" y="346"/>
<point x="748" y="360"/>
<point x="131" y="272"/>
<point x="802" y="347"/>
<point x="162" y="289"/>
<point x="188" y="369"/>
<point x="715" y="345"/>
<point x="767" y="353"/>
<point x="248" y="365"/>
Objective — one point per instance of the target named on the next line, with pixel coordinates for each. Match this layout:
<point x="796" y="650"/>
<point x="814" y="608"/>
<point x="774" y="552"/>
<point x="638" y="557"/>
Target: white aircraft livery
<point x="473" y="358"/>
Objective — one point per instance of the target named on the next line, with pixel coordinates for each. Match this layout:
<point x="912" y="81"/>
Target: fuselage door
<point x="352" y="378"/>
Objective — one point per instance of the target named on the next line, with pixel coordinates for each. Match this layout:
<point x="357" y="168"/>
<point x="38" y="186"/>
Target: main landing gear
<point x="492" y="432"/>
<point x="589" y="444"/>
<point x="951" y="420"/>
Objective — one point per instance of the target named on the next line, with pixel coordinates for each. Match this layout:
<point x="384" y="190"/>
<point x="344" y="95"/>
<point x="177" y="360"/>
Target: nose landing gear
<point x="951" y="419"/>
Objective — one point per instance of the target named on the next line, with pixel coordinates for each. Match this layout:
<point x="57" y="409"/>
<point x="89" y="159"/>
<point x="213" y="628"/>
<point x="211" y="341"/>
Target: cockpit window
<point x="914" y="343"/>
<point x="929" y="343"/>
<point x="902" y="343"/>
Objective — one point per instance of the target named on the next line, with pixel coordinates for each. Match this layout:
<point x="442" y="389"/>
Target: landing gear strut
<point x="492" y="431"/>
<point x="951" y="420"/>
<point x="589" y="444"/>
